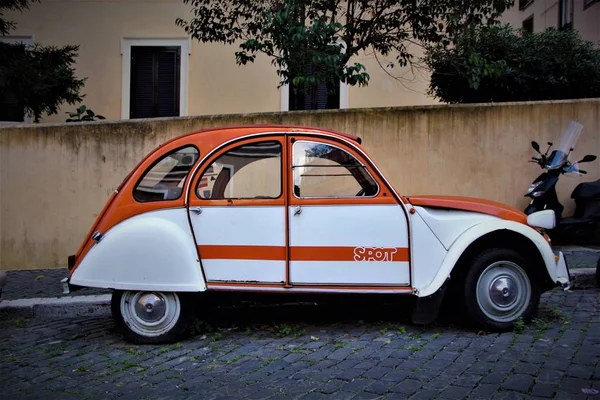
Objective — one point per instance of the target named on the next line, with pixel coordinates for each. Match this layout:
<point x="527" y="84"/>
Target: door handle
<point x="197" y="210"/>
<point x="297" y="210"/>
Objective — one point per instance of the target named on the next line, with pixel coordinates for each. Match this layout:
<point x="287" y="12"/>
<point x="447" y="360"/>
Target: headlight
<point x="538" y="193"/>
<point x="533" y="186"/>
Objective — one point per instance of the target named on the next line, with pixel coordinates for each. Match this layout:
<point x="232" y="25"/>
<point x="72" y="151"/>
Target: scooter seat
<point x="587" y="190"/>
<point x="575" y="221"/>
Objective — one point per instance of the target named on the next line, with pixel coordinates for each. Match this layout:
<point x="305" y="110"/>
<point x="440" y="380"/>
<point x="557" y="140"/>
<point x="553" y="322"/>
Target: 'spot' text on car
<point x="302" y="210"/>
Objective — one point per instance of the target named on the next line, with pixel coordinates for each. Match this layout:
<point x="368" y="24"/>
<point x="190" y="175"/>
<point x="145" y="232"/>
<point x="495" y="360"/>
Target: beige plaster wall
<point x="216" y="84"/>
<point x="55" y="178"/>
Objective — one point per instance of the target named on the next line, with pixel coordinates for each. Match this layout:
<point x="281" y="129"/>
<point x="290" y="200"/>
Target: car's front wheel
<point x="151" y="317"/>
<point x="501" y="287"/>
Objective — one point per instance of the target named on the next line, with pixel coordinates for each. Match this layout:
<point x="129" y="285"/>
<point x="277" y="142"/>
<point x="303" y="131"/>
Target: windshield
<point x="567" y="142"/>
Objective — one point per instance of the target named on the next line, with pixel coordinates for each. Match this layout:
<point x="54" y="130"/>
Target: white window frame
<point x="27" y="40"/>
<point x="186" y="51"/>
<point x="285" y="96"/>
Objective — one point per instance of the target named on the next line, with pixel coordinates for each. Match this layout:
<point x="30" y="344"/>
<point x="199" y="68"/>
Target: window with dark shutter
<point x="154" y="81"/>
<point x="10" y="108"/>
<point x="316" y="97"/>
<point x="324" y="96"/>
<point x="565" y="11"/>
<point x="528" y="25"/>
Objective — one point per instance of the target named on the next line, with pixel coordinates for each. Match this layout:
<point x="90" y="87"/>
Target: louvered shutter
<point x="10" y="108"/>
<point x="325" y="99"/>
<point x="167" y="84"/>
<point x="154" y="81"/>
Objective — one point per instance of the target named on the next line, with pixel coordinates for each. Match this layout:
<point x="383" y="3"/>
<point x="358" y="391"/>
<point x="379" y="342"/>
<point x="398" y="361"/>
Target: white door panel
<point x="245" y="270"/>
<point x="349" y="245"/>
<point x="350" y="273"/>
<point x="240" y="225"/>
<point x="349" y="225"/>
<point x="241" y="244"/>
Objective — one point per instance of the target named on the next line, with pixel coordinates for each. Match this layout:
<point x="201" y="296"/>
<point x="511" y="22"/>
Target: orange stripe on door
<point x="304" y="253"/>
<point x="272" y="253"/>
<point x="311" y="253"/>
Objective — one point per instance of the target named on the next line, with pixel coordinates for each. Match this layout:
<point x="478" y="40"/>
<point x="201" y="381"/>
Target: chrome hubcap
<point x="150" y="308"/>
<point x="503" y="291"/>
<point x="150" y="313"/>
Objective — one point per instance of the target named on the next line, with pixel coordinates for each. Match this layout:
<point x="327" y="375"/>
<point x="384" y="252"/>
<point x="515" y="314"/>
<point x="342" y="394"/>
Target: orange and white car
<point x="292" y="209"/>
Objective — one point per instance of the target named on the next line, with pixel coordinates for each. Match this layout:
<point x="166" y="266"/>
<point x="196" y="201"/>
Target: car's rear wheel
<point x="150" y="316"/>
<point x="501" y="287"/>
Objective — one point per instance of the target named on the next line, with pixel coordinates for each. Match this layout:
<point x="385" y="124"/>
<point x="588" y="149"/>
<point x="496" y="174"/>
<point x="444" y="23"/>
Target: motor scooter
<point x="584" y="225"/>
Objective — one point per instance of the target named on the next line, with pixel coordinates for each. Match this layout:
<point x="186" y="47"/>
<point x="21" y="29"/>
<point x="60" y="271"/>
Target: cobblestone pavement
<point x="362" y="351"/>
<point x="40" y="283"/>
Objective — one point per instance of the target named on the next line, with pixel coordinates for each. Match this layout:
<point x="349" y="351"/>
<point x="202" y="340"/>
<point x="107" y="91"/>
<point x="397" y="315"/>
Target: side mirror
<point x="535" y="146"/>
<point x="588" y="158"/>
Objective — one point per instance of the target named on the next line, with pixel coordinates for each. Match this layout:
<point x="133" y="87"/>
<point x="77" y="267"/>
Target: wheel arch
<point x="508" y="234"/>
<point x="151" y="251"/>
<point x="509" y="239"/>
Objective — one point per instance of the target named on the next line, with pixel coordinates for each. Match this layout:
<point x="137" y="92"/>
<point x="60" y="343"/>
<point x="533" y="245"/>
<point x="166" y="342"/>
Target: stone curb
<point x="583" y="278"/>
<point x="53" y="307"/>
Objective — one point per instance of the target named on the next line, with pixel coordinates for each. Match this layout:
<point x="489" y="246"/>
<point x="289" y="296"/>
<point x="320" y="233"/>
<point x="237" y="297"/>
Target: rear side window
<point x="164" y="179"/>
<point x="249" y="171"/>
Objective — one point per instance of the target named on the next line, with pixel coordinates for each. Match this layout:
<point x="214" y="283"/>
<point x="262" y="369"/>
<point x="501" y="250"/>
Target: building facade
<point x="139" y="64"/>
<point x="538" y="15"/>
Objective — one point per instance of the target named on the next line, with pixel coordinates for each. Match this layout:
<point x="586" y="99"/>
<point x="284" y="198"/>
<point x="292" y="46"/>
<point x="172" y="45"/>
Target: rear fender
<point x="557" y="272"/>
<point x="151" y="251"/>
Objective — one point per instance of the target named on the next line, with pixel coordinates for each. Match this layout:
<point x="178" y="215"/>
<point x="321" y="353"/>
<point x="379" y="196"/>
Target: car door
<point x="237" y="212"/>
<point x="346" y="227"/>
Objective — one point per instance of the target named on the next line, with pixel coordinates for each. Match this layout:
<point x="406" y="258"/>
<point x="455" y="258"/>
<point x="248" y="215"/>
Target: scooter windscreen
<point x="559" y="157"/>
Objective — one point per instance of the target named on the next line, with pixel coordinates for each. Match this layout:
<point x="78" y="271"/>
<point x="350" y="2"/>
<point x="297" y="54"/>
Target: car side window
<point x="323" y="170"/>
<point x="164" y="179"/>
<point x="249" y="171"/>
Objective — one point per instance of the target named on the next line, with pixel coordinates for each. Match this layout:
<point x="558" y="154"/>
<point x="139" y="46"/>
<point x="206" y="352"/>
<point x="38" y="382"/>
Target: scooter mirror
<point x="535" y="146"/>
<point x="588" y="158"/>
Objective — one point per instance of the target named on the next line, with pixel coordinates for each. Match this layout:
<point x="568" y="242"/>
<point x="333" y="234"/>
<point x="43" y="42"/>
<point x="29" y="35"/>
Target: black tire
<point x="133" y="329"/>
<point x="509" y="290"/>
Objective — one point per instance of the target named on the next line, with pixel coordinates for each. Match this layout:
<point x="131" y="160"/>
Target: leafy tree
<point x="311" y="42"/>
<point x="500" y="63"/>
<point x="34" y="78"/>
<point x="12" y="5"/>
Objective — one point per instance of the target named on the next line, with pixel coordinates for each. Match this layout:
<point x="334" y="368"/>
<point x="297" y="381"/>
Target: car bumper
<point x="66" y="288"/>
<point x="563" y="277"/>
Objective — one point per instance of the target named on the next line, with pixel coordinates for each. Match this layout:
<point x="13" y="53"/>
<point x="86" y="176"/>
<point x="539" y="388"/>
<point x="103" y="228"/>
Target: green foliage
<point x="83" y="114"/>
<point x="499" y="63"/>
<point x="519" y="325"/>
<point x="41" y="78"/>
<point x="312" y="42"/>
<point x="37" y="78"/>
<point x="11" y="5"/>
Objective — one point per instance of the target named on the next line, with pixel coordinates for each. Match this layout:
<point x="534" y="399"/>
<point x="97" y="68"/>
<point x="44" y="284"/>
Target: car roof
<point x="264" y="128"/>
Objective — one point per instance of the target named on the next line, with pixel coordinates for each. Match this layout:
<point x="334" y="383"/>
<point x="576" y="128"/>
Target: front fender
<point x="557" y="270"/>
<point x="151" y="251"/>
